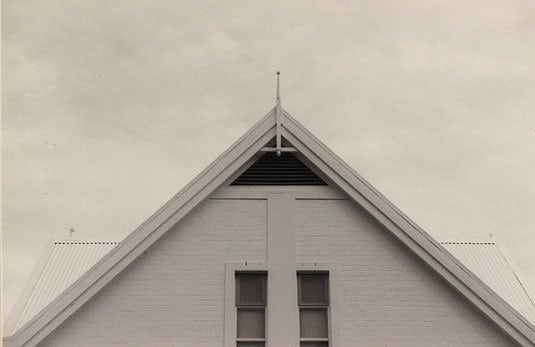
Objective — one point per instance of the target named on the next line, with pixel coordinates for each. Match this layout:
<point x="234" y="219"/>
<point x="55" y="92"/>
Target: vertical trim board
<point x="282" y="279"/>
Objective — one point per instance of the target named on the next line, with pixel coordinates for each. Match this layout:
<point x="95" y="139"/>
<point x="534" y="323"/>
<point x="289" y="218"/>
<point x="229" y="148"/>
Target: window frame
<point x="252" y="273"/>
<point x="332" y="268"/>
<point x="325" y="276"/>
<point x="232" y="269"/>
<point x="335" y="301"/>
<point x="326" y="279"/>
<point x="250" y="306"/>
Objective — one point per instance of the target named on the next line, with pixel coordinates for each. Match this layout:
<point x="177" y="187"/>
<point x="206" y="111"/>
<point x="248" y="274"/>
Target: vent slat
<point x="284" y="170"/>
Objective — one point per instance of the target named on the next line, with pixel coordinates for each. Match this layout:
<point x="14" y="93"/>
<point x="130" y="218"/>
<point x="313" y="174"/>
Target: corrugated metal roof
<point x="487" y="262"/>
<point x="66" y="262"/>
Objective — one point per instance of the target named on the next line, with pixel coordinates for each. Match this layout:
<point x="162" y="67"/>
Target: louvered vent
<point x="285" y="170"/>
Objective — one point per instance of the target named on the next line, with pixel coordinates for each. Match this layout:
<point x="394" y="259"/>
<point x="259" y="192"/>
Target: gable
<point x="277" y="123"/>
<point x="175" y="293"/>
<point x="67" y="260"/>
<point x="282" y="170"/>
<point x="388" y="295"/>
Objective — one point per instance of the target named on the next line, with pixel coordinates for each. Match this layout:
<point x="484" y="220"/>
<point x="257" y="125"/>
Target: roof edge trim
<point x="146" y="234"/>
<point x="15" y="313"/>
<point x="408" y="232"/>
<point x="345" y="178"/>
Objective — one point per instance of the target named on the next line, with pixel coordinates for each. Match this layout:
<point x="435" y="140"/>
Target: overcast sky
<point x="110" y="107"/>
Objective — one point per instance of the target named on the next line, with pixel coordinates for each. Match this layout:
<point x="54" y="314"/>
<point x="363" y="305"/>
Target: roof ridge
<point x="100" y="242"/>
<point x="467" y="242"/>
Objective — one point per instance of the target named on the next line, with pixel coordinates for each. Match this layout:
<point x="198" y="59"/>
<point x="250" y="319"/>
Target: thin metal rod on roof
<point x="278" y="116"/>
<point x="278" y="86"/>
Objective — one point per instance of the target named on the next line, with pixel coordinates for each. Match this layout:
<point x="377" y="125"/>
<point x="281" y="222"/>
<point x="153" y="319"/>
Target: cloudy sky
<point x="110" y="107"/>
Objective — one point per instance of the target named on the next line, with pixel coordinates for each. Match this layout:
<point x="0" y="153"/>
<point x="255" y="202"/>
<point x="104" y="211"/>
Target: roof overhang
<point x="226" y="167"/>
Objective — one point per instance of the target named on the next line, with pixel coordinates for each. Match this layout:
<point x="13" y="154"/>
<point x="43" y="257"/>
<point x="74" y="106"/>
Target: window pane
<point x="251" y="323"/>
<point x="251" y="343"/>
<point x="314" y="344"/>
<point x="313" y="290"/>
<point x="251" y="290"/>
<point x="313" y="322"/>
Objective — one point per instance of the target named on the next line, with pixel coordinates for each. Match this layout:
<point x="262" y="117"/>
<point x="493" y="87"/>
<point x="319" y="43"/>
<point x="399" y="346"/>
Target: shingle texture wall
<point x="174" y="294"/>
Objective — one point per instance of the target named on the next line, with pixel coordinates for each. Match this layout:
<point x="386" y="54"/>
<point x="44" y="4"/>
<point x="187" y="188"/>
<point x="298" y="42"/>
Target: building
<point x="277" y="243"/>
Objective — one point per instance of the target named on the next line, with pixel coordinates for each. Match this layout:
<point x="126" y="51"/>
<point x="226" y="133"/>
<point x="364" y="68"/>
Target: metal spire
<point x="278" y="87"/>
<point x="278" y="117"/>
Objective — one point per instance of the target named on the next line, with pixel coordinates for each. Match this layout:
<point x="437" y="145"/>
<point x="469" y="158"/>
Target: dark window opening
<point x="313" y="300"/>
<point x="251" y="302"/>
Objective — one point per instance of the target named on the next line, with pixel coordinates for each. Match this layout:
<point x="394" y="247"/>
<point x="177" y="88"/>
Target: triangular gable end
<point x="281" y="170"/>
<point x="230" y="166"/>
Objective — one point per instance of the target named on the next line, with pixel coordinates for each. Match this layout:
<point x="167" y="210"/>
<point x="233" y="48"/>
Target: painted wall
<point x="174" y="294"/>
<point x="386" y="296"/>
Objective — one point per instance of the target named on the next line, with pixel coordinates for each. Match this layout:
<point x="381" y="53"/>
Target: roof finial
<point x="278" y="87"/>
<point x="278" y="118"/>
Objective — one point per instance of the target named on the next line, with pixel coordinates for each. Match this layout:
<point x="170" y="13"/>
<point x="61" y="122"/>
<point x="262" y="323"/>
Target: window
<point x="313" y="300"/>
<point x="251" y="301"/>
